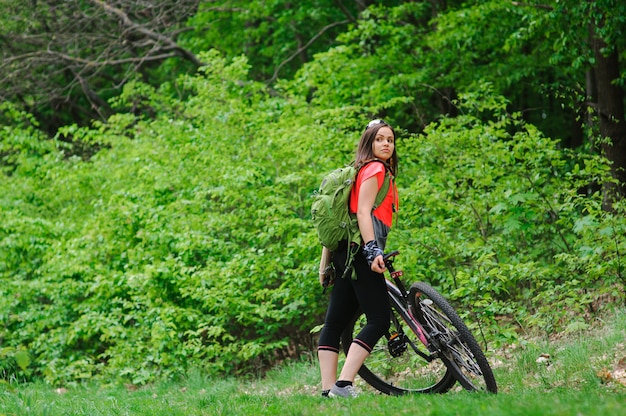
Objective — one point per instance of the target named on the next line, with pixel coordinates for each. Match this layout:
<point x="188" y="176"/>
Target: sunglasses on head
<point x="375" y="122"/>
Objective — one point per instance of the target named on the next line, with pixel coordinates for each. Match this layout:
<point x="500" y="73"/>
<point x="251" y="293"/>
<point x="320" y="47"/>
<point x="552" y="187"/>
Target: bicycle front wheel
<point x="454" y="342"/>
<point x="399" y="365"/>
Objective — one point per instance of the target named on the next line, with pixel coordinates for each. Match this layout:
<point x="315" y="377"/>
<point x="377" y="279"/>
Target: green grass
<point x="579" y="379"/>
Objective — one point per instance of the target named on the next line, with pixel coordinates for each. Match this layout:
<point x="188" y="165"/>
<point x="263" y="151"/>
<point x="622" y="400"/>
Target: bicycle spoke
<point x="463" y="355"/>
<point x="451" y="338"/>
<point x="406" y="370"/>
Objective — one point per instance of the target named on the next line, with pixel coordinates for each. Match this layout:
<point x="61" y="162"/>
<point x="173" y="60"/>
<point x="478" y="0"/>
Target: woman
<point x="375" y="154"/>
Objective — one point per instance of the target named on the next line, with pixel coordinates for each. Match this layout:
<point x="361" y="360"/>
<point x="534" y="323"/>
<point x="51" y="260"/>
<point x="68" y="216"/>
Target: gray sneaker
<point x="347" y="391"/>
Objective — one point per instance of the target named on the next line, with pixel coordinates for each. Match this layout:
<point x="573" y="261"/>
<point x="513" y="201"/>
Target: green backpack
<point x="331" y="215"/>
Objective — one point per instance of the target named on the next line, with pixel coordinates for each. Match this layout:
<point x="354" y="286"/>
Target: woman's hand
<point x="378" y="265"/>
<point x="374" y="256"/>
<point x="322" y="278"/>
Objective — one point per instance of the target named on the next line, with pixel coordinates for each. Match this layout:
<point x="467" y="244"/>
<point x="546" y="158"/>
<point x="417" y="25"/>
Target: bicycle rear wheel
<point x="451" y="337"/>
<point x="406" y="371"/>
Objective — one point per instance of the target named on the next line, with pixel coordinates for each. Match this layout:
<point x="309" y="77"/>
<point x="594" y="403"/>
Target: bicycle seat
<point x="390" y="255"/>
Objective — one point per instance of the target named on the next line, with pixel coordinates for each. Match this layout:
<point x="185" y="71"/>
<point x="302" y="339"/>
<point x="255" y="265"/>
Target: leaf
<point x="316" y="329"/>
<point x="23" y="359"/>
<point x="582" y="223"/>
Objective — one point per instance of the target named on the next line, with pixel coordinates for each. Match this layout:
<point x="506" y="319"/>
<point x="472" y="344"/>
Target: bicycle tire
<point x="407" y="373"/>
<point x="455" y="342"/>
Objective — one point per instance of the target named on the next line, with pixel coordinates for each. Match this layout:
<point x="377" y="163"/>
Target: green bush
<point x="504" y="220"/>
<point x="184" y="241"/>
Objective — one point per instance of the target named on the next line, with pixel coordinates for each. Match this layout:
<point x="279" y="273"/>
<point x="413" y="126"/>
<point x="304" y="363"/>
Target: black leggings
<point x="368" y="291"/>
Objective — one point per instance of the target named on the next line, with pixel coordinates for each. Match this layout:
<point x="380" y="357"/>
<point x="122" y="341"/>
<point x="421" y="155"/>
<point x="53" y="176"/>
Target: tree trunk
<point x="610" y="109"/>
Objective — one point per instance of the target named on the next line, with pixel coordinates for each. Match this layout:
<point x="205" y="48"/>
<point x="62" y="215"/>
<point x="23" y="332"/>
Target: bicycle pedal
<point x="397" y="344"/>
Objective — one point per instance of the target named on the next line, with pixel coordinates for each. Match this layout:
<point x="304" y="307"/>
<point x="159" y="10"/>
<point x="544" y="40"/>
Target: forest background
<point x="157" y="161"/>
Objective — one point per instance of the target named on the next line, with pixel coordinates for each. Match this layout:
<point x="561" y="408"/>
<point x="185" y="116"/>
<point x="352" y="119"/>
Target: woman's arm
<point x="367" y="198"/>
<point x="324" y="262"/>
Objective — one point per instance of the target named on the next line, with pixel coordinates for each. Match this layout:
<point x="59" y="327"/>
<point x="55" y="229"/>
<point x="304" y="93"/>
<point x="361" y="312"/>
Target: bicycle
<point x="428" y="347"/>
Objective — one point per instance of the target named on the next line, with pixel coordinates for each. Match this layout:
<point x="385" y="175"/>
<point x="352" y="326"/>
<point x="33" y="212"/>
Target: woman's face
<point x="383" y="144"/>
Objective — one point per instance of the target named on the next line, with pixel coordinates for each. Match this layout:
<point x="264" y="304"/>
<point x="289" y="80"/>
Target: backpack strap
<point x="383" y="191"/>
<point x="384" y="188"/>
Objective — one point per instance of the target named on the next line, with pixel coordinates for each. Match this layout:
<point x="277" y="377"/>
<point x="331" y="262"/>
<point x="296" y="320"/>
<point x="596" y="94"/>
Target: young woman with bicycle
<point x="375" y="157"/>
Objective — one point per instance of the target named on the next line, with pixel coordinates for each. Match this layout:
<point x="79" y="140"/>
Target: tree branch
<point x="90" y="63"/>
<point x="147" y="32"/>
<point x="345" y="10"/>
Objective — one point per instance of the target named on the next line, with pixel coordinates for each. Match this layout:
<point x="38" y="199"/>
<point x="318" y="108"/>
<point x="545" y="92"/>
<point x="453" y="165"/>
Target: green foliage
<point x="504" y="219"/>
<point x="377" y="66"/>
<point x="409" y="63"/>
<point x="186" y="240"/>
<point x="180" y="243"/>
<point x="177" y="234"/>
<point x="277" y="36"/>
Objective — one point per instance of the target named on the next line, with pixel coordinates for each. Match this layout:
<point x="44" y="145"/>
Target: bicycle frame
<point x="422" y="316"/>
<point x="399" y="303"/>
<point x="399" y="300"/>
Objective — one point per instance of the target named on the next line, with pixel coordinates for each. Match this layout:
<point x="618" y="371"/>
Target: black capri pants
<point x="368" y="291"/>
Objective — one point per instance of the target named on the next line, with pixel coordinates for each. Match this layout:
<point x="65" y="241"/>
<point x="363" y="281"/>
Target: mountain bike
<point x="428" y="348"/>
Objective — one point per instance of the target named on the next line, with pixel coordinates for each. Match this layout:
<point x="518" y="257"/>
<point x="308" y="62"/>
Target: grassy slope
<point x="582" y="377"/>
